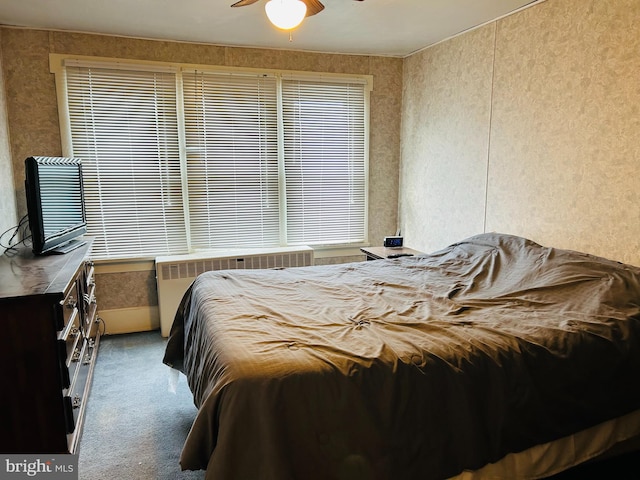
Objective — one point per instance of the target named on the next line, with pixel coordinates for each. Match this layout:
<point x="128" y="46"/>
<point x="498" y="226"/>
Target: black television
<point x="55" y="204"/>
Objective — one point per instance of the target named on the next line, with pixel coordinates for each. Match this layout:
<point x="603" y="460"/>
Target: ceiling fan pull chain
<point x="290" y="36"/>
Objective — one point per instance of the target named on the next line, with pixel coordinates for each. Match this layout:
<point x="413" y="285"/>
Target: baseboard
<point x="129" y="320"/>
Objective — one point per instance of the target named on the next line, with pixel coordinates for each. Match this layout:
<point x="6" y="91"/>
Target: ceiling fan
<point x="287" y="14"/>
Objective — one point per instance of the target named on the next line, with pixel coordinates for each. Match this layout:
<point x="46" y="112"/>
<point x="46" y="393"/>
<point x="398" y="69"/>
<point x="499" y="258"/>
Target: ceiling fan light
<point x="286" y="14"/>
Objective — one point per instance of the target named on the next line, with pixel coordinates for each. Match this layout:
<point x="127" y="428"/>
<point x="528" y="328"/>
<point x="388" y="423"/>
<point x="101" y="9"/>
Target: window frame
<point x="58" y="63"/>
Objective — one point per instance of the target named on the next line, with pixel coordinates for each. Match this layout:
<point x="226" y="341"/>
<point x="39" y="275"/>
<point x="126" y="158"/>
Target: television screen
<point x="55" y="203"/>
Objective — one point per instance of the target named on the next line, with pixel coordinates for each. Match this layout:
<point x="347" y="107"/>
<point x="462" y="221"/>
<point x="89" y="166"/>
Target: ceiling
<point x="371" y="27"/>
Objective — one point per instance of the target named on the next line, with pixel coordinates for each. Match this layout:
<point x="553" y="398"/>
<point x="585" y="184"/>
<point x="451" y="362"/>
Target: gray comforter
<point x="411" y="368"/>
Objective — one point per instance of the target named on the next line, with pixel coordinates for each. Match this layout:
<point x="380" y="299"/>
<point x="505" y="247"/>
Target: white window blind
<point x="232" y="159"/>
<point x="325" y="161"/>
<point x="176" y="160"/>
<point x="124" y="128"/>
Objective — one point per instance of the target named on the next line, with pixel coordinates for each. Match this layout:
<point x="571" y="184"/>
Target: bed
<point x="448" y="365"/>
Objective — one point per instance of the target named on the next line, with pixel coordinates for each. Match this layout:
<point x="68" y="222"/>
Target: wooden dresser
<point x="49" y="336"/>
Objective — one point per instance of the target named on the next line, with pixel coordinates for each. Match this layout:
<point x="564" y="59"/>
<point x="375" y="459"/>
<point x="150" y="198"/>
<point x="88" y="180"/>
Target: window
<point x="177" y="159"/>
<point x="232" y="159"/>
<point x="324" y="156"/>
<point x="124" y="128"/>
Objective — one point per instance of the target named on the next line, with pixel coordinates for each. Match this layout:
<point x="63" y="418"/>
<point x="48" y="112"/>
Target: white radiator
<point x="175" y="273"/>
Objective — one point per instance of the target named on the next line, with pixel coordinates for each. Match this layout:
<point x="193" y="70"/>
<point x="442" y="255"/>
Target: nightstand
<point x="377" y="253"/>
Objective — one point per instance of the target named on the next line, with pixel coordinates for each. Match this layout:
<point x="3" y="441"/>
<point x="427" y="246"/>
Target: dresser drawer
<point x="68" y="307"/>
<point x="74" y="362"/>
<point x="69" y="344"/>
<point x="90" y="307"/>
<point x="72" y="339"/>
<point x="76" y="395"/>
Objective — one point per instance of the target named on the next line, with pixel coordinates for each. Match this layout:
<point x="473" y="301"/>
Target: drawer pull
<point x="71" y="303"/>
<point x="76" y="355"/>
<point x="88" y="357"/>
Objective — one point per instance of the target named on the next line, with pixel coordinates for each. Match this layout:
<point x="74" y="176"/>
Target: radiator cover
<point x="174" y="274"/>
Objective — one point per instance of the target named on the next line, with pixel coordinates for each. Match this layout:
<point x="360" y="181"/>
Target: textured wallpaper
<point x="561" y="143"/>
<point x="445" y="125"/>
<point x="8" y="214"/>
<point x="33" y="115"/>
<point x="565" y="137"/>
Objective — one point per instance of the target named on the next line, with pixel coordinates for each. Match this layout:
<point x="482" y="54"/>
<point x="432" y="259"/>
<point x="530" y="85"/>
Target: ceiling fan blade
<point x="244" y="3"/>
<point x="313" y="7"/>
